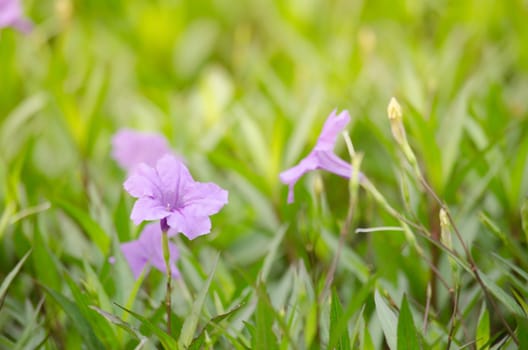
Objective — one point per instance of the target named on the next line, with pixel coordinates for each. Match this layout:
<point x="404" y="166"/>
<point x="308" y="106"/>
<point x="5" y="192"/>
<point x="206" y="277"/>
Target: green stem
<point x="166" y="257"/>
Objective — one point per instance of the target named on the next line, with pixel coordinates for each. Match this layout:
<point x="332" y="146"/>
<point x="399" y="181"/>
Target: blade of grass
<point x="10" y="277"/>
<point x="407" y="334"/>
<point x="387" y="319"/>
<point x="191" y="322"/>
<point x="79" y="322"/>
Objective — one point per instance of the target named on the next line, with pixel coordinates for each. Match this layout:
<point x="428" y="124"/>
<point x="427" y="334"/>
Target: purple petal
<point x="144" y="181"/>
<point x="174" y="175"/>
<point x="148" y="249"/>
<point x="190" y="226"/>
<point x="333" y="126"/>
<point x="201" y="199"/>
<point x="131" y="148"/>
<point x="151" y="239"/>
<point x="292" y="175"/>
<point x="134" y="255"/>
<point x="330" y="162"/>
<point x="146" y="209"/>
<point x="11" y="16"/>
<point x="322" y="156"/>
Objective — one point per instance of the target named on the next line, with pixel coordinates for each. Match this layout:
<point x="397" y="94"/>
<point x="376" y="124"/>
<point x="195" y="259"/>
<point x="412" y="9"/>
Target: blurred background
<point x="241" y="90"/>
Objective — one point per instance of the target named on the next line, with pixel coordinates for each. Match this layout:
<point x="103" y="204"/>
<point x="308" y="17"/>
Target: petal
<point x="133" y="252"/>
<point x="177" y="222"/>
<point x="174" y="175"/>
<point x="131" y="148"/>
<point x="190" y="226"/>
<point x="330" y="162"/>
<point x="333" y="126"/>
<point x="148" y="209"/>
<point x="144" y="181"/>
<point x="202" y="199"/>
<point x="11" y="16"/>
<point x="292" y="175"/>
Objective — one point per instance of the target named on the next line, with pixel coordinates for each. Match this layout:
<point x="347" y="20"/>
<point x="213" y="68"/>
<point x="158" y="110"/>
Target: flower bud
<point x="445" y="229"/>
<point x="395" y="117"/>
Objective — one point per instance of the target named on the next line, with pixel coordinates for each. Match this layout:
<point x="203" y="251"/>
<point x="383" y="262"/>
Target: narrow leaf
<point x="483" y="329"/>
<point x="264" y="338"/>
<point x="10" y="277"/>
<point x="387" y="320"/>
<point x="79" y="322"/>
<point x="336" y="313"/>
<point x="92" y="228"/>
<point x="166" y="340"/>
<point x="502" y="296"/>
<point x="119" y="322"/>
<point x="407" y="335"/>
<point x="191" y="322"/>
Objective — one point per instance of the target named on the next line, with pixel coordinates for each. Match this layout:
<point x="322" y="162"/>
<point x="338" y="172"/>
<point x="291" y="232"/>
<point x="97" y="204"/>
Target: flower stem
<point x="166" y="257"/>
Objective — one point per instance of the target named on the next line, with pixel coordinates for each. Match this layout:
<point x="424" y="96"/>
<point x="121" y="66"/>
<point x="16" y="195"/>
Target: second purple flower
<point x="168" y="192"/>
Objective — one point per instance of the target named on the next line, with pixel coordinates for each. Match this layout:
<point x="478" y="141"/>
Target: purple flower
<point x="322" y="156"/>
<point x="131" y="148"/>
<point x="169" y="192"/>
<point x="148" y="250"/>
<point x="11" y="16"/>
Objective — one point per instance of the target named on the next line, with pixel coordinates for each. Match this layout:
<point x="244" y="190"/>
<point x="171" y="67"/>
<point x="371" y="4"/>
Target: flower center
<point x="170" y="200"/>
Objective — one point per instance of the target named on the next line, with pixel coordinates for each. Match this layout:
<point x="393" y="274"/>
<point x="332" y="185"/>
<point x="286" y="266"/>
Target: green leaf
<point x="92" y="228"/>
<point x="482" y="337"/>
<point x="387" y="320"/>
<point x="122" y="219"/>
<point x="10" y="277"/>
<point x="353" y="305"/>
<point x="119" y="322"/>
<point x="264" y="338"/>
<point x="524" y="218"/>
<point x="44" y="262"/>
<point x="166" y="340"/>
<point x="366" y="339"/>
<point x="336" y="314"/>
<point x="407" y="335"/>
<point x="211" y="326"/>
<point x="501" y="295"/>
<point x="191" y="321"/>
<point x="522" y="332"/>
<point x="82" y="300"/>
<point x="272" y="253"/>
<point x="24" y="340"/>
<point x="79" y="322"/>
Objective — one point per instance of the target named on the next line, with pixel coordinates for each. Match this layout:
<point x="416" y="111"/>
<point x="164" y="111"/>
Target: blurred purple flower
<point x="169" y="192"/>
<point x="131" y="148"/>
<point x="322" y="156"/>
<point x="148" y="250"/>
<point x="11" y="16"/>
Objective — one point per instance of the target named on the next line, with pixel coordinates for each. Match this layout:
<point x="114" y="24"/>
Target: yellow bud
<point x="445" y="229"/>
<point x="394" y="110"/>
<point x="395" y="117"/>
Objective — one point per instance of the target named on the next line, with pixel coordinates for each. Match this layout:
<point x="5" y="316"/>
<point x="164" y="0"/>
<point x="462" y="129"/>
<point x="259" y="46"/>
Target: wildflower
<point x="131" y="148"/>
<point x="169" y="193"/>
<point x="148" y="250"/>
<point x="11" y="16"/>
<point x="322" y="156"/>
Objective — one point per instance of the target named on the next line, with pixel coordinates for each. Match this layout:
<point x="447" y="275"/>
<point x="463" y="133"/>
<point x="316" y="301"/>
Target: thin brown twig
<point x="472" y="263"/>
<point x="342" y="235"/>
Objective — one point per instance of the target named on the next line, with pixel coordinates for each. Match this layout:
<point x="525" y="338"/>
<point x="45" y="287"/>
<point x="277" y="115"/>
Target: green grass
<point x="241" y="90"/>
